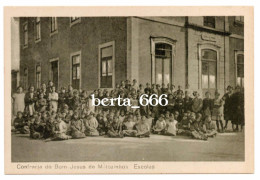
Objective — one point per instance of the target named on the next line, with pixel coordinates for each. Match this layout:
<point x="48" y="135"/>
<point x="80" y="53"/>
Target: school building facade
<point x="204" y="53"/>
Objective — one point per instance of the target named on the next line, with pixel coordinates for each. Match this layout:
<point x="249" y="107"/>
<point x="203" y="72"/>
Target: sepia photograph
<point x="127" y="89"/>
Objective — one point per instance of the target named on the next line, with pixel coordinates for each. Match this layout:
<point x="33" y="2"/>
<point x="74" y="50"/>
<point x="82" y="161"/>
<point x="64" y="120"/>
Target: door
<point x="55" y="73"/>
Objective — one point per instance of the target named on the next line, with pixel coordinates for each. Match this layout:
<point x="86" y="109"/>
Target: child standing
<point x="217" y="113"/>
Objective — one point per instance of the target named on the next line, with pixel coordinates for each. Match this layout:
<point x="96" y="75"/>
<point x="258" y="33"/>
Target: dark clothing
<point x="207" y="106"/>
<point x="179" y="105"/>
<point x="62" y="100"/>
<point x="237" y="107"/>
<point x="36" y="131"/>
<point x="30" y="100"/>
<point x="187" y="103"/>
<point x="227" y="107"/>
<point x="49" y="130"/>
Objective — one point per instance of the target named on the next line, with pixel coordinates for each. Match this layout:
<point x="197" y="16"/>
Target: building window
<point x="74" y="20"/>
<point x="54" y="25"/>
<point x="38" y="76"/>
<point x="240" y="70"/>
<point x="38" y="29"/>
<point x="76" y="71"/>
<point x="25" y="34"/>
<point x="163" y="63"/>
<point x="209" y="69"/>
<point x="54" y="71"/>
<point x="25" y="76"/>
<point x="209" y="21"/>
<point x="106" y="66"/>
<point x="239" y="18"/>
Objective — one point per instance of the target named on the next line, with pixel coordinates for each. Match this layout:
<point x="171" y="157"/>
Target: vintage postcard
<point x="101" y="90"/>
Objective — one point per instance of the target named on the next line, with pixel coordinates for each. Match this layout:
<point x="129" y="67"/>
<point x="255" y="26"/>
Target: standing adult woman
<point x="18" y="101"/>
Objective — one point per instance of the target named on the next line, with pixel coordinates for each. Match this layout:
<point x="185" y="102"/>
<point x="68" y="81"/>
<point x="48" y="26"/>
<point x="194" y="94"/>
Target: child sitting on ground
<point x="36" y="129"/>
<point x="115" y="129"/>
<point x="142" y="128"/>
<point x="91" y="125"/>
<point x="209" y="127"/>
<point x="20" y="124"/>
<point x="160" y="125"/>
<point x="171" y="126"/>
<point x="128" y="128"/>
<point x="195" y="128"/>
<point x="49" y="128"/>
<point x="60" y="129"/>
<point x="102" y="125"/>
<point x="77" y="127"/>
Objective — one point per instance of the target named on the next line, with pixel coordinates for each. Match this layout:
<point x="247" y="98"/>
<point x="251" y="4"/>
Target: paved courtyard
<point x="224" y="147"/>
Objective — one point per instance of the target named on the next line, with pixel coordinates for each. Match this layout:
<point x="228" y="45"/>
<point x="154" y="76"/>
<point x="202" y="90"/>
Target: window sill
<point x="25" y="46"/>
<point x="238" y="23"/>
<point x="53" y="33"/>
<point x="75" y="22"/>
<point x="37" y="41"/>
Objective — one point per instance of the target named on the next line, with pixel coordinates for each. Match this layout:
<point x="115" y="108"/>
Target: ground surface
<point x="224" y="147"/>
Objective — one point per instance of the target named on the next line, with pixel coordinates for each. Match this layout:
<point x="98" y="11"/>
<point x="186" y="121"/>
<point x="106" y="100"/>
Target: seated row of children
<point x="67" y="124"/>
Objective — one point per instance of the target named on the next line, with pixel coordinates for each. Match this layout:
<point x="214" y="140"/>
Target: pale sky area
<point x="15" y="49"/>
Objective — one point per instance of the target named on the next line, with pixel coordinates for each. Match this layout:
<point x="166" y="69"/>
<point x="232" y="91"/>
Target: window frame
<point x="237" y="52"/>
<point x="71" y="66"/>
<point x="172" y="43"/>
<point x="50" y="70"/>
<point x="206" y="21"/>
<point x="209" y="61"/>
<point x="100" y="47"/>
<point x="163" y="64"/>
<point x="36" y="24"/>
<point x="200" y="59"/>
<point x="27" y="32"/>
<point x="36" y="76"/>
<point x="25" y="79"/>
<point x="76" y="21"/>
<point x="239" y="19"/>
<point x="55" y="31"/>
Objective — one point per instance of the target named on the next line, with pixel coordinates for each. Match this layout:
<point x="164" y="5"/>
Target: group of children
<point x="70" y="114"/>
